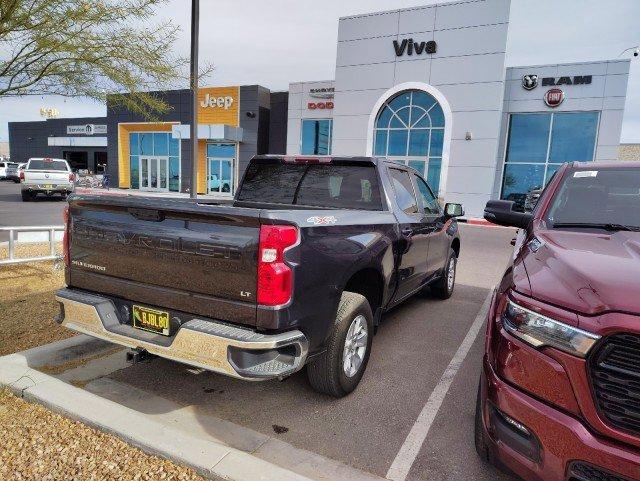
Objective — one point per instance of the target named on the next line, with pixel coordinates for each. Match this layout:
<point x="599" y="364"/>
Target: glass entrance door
<point x="221" y="168"/>
<point x="154" y="173"/>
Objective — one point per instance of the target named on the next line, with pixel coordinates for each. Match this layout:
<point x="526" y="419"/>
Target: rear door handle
<point x="407" y="232"/>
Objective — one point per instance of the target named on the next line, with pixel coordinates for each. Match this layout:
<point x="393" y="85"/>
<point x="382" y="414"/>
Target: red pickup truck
<point x="559" y="394"/>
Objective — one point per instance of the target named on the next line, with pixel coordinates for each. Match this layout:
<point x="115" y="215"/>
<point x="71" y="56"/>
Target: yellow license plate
<point x="47" y="186"/>
<point x="151" y="320"/>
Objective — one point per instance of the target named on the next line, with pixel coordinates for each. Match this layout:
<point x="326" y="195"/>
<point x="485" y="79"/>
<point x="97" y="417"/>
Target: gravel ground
<point x="27" y="305"/>
<point x="40" y="445"/>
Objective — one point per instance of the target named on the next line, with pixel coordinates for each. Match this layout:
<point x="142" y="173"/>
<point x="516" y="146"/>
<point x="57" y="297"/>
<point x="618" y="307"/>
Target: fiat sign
<point x="553" y="97"/>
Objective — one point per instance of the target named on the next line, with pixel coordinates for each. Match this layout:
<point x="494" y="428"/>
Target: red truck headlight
<point x="539" y="331"/>
<point x="274" y="275"/>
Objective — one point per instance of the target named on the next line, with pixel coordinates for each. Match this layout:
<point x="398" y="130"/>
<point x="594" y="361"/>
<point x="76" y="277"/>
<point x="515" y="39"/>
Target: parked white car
<point x="9" y="171"/>
<point x="46" y="176"/>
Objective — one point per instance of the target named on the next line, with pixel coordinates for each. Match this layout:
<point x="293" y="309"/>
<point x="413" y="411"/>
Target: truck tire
<point x="26" y="196"/>
<point x="443" y="287"/>
<point x="480" y="443"/>
<point x="339" y="369"/>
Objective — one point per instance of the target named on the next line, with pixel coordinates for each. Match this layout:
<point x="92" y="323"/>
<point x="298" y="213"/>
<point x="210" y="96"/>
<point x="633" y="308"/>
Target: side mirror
<point x="502" y="212"/>
<point x="453" y="210"/>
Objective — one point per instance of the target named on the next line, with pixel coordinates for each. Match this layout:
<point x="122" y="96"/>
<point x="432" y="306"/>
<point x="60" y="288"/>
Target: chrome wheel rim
<point x="451" y="274"/>
<point x="355" y="346"/>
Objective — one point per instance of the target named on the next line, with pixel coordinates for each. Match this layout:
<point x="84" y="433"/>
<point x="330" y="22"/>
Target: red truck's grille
<point x="615" y="374"/>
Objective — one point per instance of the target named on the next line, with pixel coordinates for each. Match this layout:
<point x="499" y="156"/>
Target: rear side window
<point x="403" y="189"/>
<point x="47" y="165"/>
<point x="315" y="185"/>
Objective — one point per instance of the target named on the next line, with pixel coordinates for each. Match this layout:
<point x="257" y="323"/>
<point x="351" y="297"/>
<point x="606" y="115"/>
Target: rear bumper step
<point x="214" y="346"/>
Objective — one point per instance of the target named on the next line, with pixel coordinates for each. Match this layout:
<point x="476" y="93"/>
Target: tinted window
<point x="316" y="137"/>
<point x="573" y="137"/>
<point x="426" y="197"/>
<point x="539" y="144"/>
<point x="528" y="137"/>
<point x="47" y="165"/>
<point x="598" y="196"/>
<point x="318" y="185"/>
<point x="404" y="191"/>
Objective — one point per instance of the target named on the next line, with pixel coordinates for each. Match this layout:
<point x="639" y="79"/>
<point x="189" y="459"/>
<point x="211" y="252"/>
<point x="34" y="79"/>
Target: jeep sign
<point x="217" y="102"/>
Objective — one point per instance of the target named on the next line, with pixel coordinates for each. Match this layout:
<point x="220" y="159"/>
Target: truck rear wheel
<point x="26" y="196"/>
<point x="339" y="369"/>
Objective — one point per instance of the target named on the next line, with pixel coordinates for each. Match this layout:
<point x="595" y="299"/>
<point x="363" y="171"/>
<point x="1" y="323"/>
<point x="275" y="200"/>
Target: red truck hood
<point x="586" y="271"/>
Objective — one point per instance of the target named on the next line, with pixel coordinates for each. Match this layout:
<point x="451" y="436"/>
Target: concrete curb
<point x="208" y="458"/>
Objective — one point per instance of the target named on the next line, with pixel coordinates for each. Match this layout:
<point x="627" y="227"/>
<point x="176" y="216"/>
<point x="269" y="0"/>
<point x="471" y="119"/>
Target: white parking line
<point x="411" y="447"/>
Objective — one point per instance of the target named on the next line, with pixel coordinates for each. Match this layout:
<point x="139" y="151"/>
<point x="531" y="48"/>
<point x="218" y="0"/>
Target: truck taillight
<point x="274" y="275"/>
<point x="72" y="177"/>
<point x="66" y="238"/>
<point x="21" y="175"/>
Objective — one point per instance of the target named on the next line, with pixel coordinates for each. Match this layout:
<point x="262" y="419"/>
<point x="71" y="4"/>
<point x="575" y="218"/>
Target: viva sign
<point x="408" y="46"/>
<point x="217" y="102"/>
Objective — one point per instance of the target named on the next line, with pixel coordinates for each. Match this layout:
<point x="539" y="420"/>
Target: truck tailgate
<point x="177" y="254"/>
<point x="46" y="177"/>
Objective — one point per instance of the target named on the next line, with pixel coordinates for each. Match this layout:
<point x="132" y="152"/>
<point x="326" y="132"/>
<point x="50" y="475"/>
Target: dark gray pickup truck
<point x="296" y="271"/>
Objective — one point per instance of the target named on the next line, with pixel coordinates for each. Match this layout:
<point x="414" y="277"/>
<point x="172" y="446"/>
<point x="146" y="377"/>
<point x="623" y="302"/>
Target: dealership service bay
<point x="366" y="430"/>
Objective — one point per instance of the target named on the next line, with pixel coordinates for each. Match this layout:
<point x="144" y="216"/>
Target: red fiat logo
<point x="553" y="97"/>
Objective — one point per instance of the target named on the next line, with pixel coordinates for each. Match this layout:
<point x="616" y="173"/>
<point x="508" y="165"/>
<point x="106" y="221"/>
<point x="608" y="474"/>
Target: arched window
<point x="409" y="129"/>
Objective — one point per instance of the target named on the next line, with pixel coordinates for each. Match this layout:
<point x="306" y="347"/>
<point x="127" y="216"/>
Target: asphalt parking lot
<point x="289" y="424"/>
<point x="13" y="212"/>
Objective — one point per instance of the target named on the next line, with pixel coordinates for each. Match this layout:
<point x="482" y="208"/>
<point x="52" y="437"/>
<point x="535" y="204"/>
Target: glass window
<point x="146" y="144"/>
<point x="134" y="166"/>
<point x="419" y="142"/>
<point x="404" y="191"/>
<point x="316" y="137"/>
<point x="397" y="142"/>
<point x="221" y="151"/>
<point x="134" y="149"/>
<point x="520" y="179"/>
<point x="528" y="137"/>
<point x="47" y="165"/>
<point x="419" y="165"/>
<point x="154" y="144"/>
<point x="174" y="174"/>
<point x="381" y="143"/>
<point x="174" y="147"/>
<point x="573" y="136"/>
<point x="409" y="130"/>
<point x="161" y="144"/>
<point x="549" y="138"/>
<point x="433" y="173"/>
<point x="609" y="196"/>
<point x="221" y="167"/>
<point x="426" y="197"/>
<point x="321" y="185"/>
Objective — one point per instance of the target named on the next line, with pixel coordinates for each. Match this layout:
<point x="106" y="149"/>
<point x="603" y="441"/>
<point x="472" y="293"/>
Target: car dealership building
<point x="425" y="86"/>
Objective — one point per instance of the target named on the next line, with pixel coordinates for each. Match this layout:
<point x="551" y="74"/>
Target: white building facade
<point x="428" y="87"/>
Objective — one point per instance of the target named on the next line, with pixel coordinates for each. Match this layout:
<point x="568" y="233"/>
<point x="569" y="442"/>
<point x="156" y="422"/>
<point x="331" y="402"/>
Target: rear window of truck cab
<point x="597" y="196"/>
<point x="44" y="164"/>
<point x="334" y="186"/>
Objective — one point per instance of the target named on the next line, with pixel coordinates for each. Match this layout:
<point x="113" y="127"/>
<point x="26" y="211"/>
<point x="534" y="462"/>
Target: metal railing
<point x="30" y="236"/>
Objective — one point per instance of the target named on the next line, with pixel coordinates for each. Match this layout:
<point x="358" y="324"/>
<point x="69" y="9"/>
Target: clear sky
<point x="275" y="42"/>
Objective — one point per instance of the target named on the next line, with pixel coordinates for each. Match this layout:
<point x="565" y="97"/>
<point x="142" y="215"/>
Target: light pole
<point x="195" y="25"/>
